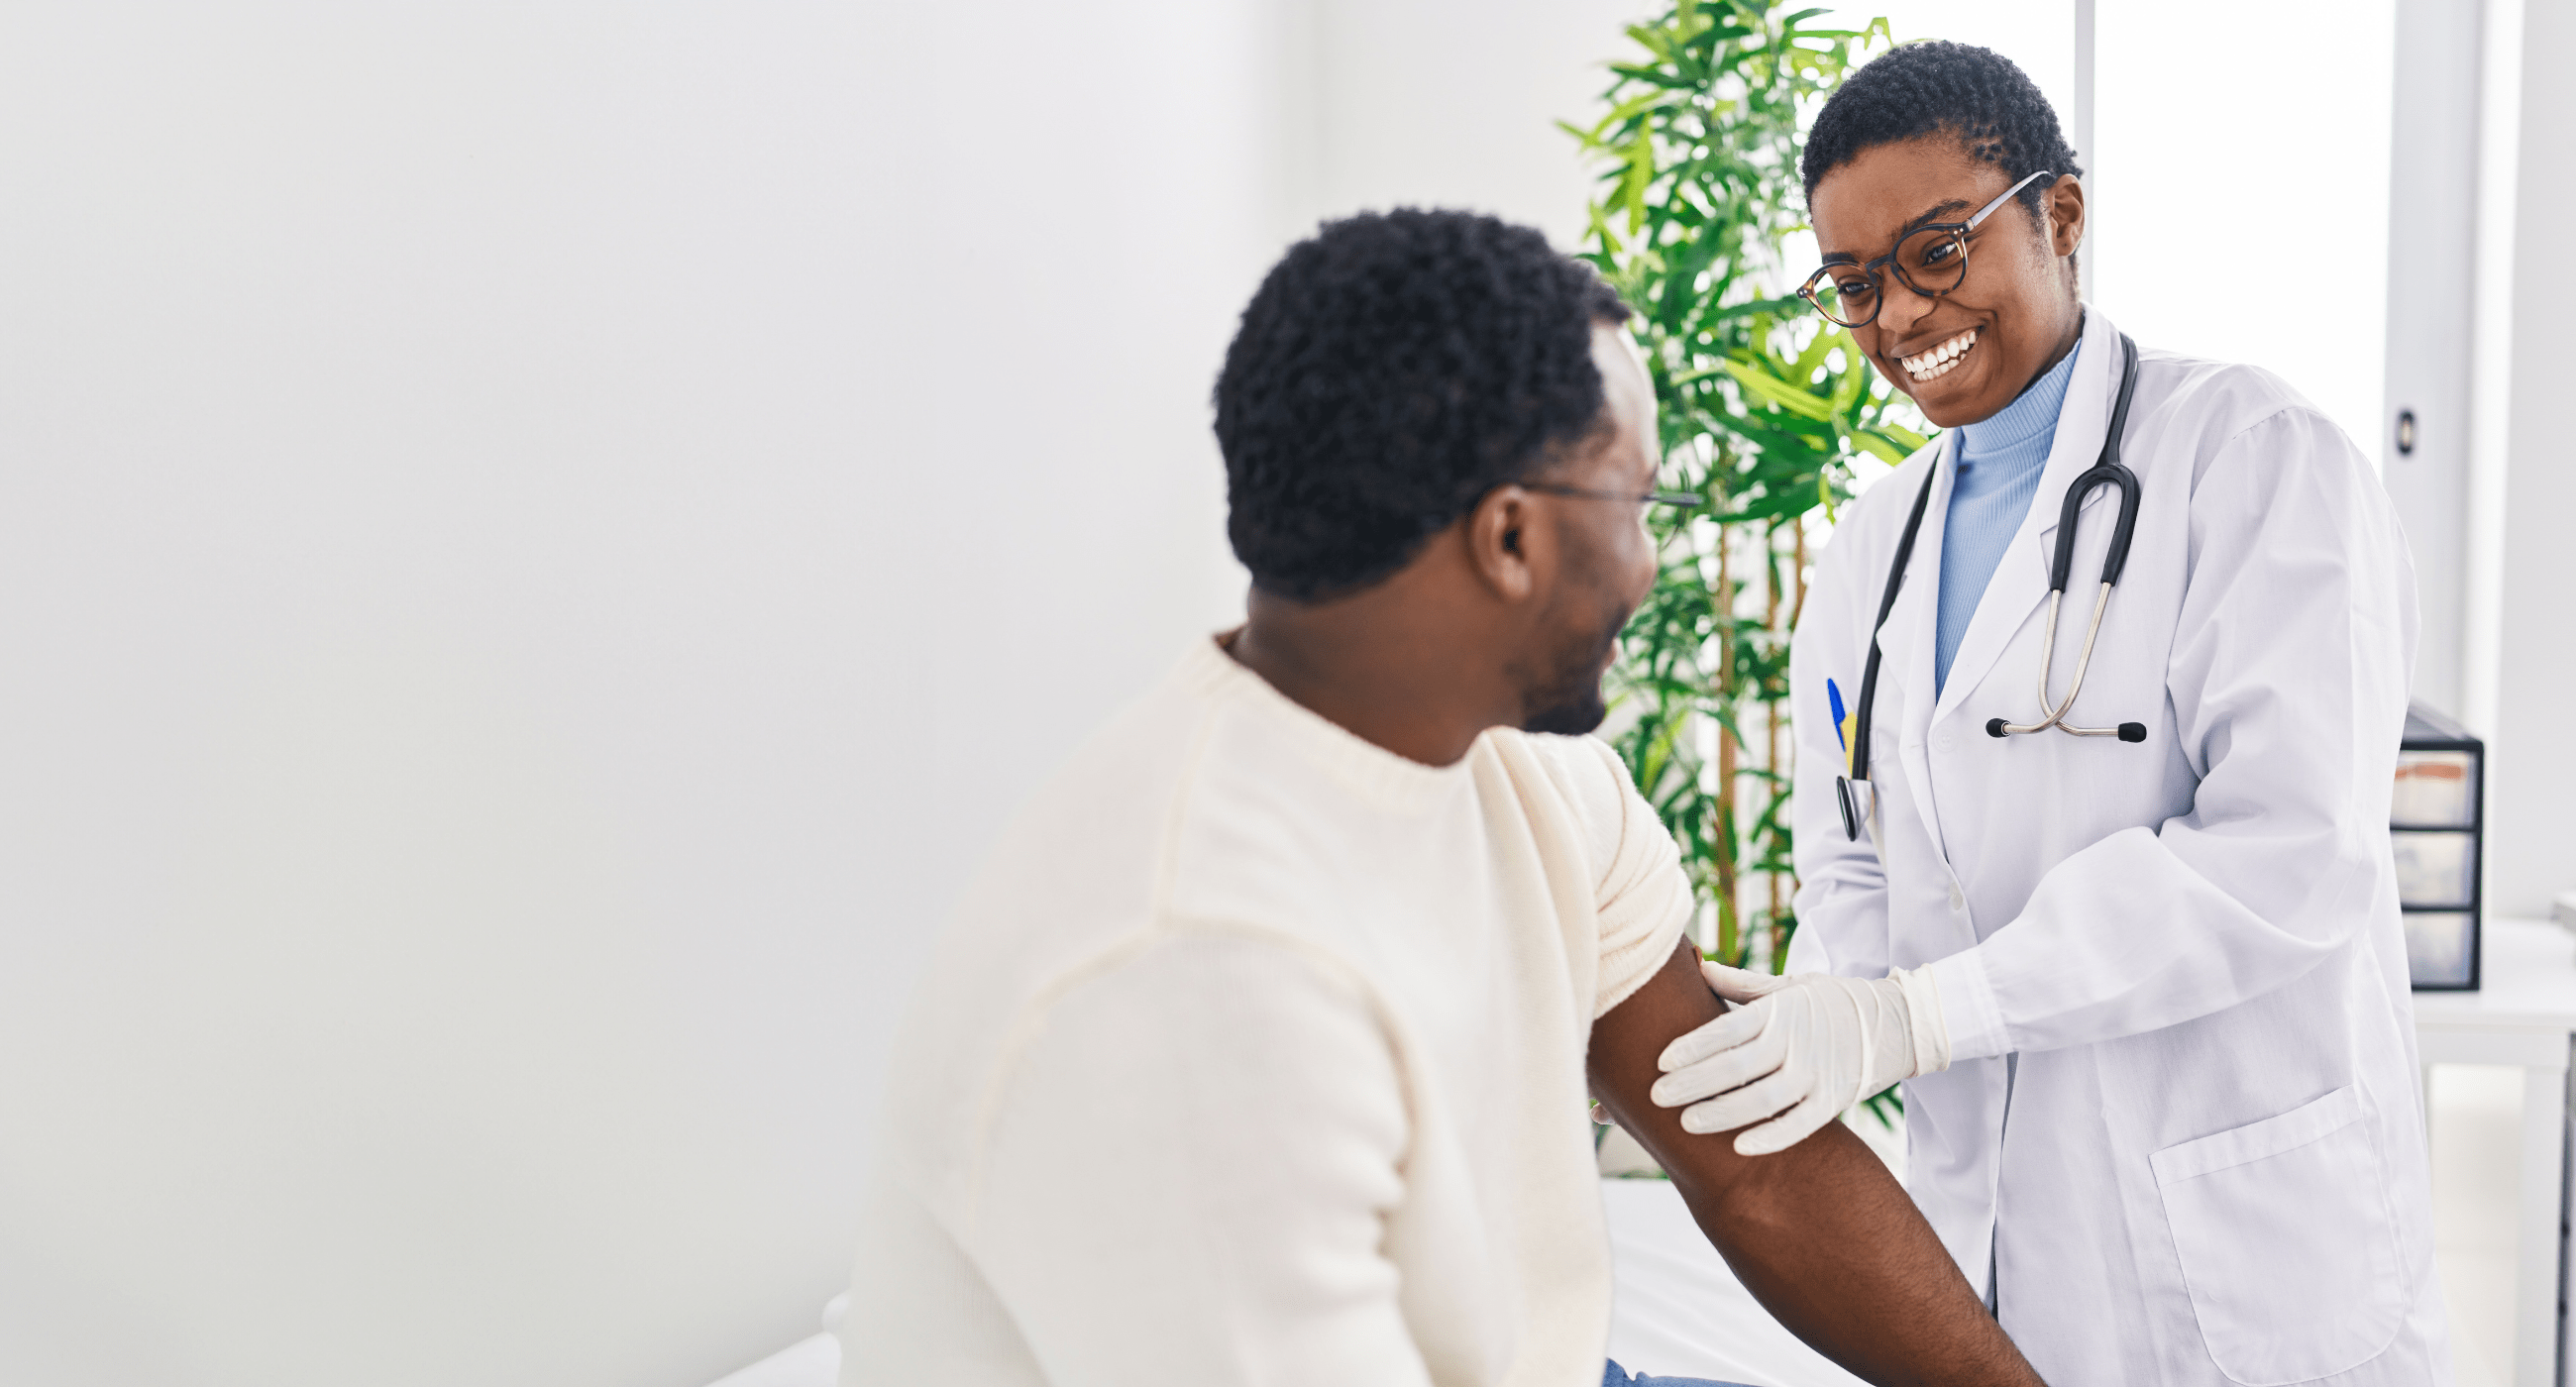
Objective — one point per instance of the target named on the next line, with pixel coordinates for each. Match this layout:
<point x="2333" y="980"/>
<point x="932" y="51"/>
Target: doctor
<point x="2145" y="988"/>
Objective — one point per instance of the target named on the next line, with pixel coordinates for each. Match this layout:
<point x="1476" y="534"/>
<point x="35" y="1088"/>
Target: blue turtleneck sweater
<point x="1999" y="462"/>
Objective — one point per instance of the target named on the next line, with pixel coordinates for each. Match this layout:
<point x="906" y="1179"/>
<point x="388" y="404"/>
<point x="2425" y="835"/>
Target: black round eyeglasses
<point x="1932" y="260"/>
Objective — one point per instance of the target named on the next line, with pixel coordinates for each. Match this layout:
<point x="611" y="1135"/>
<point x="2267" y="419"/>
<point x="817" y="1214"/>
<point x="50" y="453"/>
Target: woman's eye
<point x="1939" y="252"/>
<point x="1853" y="288"/>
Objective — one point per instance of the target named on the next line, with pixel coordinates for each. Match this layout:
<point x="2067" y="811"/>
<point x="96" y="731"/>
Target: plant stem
<point x="1772" y="699"/>
<point x="1730" y="944"/>
<point x="1762" y="407"/>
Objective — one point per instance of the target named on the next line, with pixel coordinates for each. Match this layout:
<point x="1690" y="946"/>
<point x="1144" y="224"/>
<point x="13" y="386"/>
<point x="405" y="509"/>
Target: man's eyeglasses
<point x="1931" y="259"/>
<point x="1643" y="498"/>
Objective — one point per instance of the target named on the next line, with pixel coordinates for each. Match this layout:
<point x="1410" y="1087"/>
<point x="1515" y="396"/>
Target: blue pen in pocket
<point x="1842" y="723"/>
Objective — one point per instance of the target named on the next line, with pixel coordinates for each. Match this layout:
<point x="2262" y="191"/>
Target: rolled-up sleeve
<point x="1640" y="892"/>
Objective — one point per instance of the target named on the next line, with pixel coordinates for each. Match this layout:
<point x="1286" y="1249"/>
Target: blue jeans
<point x="1612" y="1375"/>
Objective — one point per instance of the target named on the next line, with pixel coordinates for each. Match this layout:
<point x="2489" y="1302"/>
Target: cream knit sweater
<point x="1255" y="1055"/>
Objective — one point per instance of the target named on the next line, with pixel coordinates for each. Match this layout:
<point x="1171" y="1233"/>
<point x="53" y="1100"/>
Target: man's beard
<point x="1568" y="700"/>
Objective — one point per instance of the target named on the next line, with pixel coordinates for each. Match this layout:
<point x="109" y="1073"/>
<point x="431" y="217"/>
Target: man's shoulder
<point x="1593" y="798"/>
<point x="1069" y="871"/>
<point x="1583" y="764"/>
<point x="1084" y="883"/>
<point x="1587" y="785"/>
<point x="1079" y="855"/>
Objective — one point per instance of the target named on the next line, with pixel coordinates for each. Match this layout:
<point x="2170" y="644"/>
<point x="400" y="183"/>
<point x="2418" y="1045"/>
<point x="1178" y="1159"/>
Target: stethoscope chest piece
<point x="1854" y="798"/>
<point x="2127" y="731"/>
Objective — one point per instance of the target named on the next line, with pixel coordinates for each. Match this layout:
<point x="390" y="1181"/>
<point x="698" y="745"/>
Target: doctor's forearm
<point x="2130" y="936"/>
<point x="1821" y="1233"/>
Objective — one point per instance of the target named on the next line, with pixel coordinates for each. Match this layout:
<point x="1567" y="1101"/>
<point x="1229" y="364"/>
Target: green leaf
<point x="1762" y="411"/>
<point x="1880" y="446"/>
<point x="1779" y="392"/>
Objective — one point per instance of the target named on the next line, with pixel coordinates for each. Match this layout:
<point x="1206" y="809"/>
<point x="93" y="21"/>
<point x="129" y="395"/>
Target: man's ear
<point x="1502" y="535"/>
<point x="2066" y="213"/>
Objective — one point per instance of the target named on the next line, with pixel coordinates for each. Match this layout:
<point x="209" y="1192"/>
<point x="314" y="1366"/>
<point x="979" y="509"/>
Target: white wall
<point x="535" y="542"/>
<point x="1438" y="103"/>
<point x="531" y="541"/>
<point x="445" y="683"/>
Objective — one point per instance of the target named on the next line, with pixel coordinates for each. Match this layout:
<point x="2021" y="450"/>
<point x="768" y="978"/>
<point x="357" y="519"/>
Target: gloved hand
<point x="1804" y="1048"/>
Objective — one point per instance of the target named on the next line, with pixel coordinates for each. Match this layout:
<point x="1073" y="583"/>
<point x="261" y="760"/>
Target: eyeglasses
<point x="1931" y="259"/>
<point x="1643" y="498"/>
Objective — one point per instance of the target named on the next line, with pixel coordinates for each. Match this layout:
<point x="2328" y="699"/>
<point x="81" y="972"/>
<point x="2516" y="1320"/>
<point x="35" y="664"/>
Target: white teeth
<point x="1937" y="361"/>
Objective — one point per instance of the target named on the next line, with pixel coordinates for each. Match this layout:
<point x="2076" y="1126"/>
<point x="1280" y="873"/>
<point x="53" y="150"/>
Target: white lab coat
<point x="2206" y="1164"/>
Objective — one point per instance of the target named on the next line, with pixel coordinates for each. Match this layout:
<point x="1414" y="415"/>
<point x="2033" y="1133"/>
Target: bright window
<point x="2239" y="176"/>
<point x="2243" y="193"/>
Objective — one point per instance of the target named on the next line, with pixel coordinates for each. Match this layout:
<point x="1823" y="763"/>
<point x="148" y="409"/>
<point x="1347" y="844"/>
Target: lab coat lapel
<point x="1905" y="644"/>
<point x="2020" y="582"/>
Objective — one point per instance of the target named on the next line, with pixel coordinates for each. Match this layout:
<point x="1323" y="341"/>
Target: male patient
<point x="1258" y="1053"/>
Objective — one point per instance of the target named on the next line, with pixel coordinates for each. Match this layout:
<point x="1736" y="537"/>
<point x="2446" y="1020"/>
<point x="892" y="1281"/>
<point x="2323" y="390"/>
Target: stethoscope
<point x="1853" y="793"/>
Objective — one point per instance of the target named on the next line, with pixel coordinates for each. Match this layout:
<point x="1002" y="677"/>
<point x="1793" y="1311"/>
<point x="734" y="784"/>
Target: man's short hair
<point x="1392" y="370"/>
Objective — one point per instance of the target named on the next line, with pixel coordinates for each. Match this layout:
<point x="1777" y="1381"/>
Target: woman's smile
<point x="1936" y="361"/>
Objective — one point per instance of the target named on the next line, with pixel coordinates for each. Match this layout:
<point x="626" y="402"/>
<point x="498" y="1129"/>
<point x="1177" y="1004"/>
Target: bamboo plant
<point x="1765" y="408"/>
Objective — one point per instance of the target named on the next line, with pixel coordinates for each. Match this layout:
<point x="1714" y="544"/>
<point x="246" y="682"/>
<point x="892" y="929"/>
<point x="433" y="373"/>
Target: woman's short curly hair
<point x="1391" y="370"/>
<point x="1976" y="94"/>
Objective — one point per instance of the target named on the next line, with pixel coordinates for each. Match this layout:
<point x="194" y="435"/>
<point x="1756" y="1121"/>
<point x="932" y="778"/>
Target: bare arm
<point x="1820" y="1233"/>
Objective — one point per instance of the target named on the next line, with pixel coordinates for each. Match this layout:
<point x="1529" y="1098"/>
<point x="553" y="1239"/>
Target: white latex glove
<point x="1800" y="1051"/>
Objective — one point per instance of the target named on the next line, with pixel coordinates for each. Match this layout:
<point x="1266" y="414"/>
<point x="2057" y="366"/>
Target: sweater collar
<point x="1377" y="774"/>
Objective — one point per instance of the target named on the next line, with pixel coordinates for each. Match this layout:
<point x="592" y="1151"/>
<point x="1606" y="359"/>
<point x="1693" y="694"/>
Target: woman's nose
<point x="1899" y="307"/>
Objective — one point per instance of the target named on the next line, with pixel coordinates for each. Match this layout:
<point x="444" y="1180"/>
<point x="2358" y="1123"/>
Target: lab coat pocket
<point x="2286" y="1241"/>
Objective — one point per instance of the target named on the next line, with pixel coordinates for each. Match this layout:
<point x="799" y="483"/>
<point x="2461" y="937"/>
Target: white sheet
<point x="814" y="1362"/>
<point x="1679" y="1310"/>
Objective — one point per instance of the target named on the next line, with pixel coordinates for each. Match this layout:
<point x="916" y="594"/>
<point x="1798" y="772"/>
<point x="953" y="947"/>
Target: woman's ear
<point x="2065" y="203"/>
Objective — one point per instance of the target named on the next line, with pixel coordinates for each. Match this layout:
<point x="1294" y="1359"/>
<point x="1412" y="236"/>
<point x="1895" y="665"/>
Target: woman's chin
<point x="1955" y="397"/>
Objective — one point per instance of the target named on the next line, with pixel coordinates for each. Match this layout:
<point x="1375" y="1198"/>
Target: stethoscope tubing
<point x="1886" y="604"/>
<point x="2107" y="470"/>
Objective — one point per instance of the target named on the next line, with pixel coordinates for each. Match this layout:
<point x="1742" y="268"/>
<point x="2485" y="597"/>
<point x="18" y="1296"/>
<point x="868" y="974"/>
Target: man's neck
<point x="1382" y="665"/>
